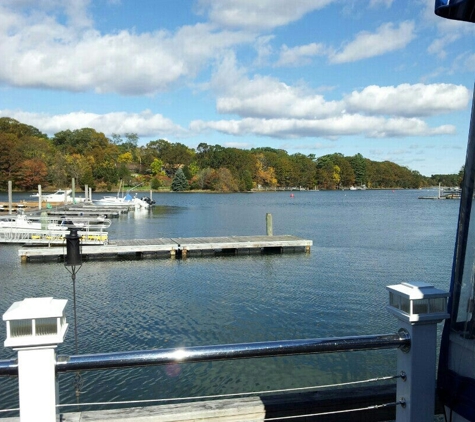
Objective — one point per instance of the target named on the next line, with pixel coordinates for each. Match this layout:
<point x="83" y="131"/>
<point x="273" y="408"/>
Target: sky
<point x="385" y="78"/>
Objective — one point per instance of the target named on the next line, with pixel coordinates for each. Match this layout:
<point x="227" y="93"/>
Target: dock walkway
<point x="174" y="247"/>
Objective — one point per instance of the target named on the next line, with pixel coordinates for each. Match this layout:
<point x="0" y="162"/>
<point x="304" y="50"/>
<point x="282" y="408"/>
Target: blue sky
<point x="384" y="78"/>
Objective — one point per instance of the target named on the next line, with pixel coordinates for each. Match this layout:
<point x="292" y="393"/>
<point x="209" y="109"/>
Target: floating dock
<point x="174" y="247"/>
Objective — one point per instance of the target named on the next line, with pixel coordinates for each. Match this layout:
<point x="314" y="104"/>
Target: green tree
<point x="179" y="182"/>
<point x="156" y="166"/>
<point x="245" y="183"/>
<point x="358" y="164"/>
<point x="9" y="125"/>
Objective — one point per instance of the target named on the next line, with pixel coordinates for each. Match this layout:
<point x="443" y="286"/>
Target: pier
<point x="180" y="247"/>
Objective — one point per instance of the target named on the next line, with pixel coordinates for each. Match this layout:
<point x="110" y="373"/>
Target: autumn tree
<point x="11" y="158"/>
<point x="224" y="181"/>
<point x="265" y="174"/>
<point x="79" y="167"/>
<point x="204" y="179"/>
<point x="31" y="173"/>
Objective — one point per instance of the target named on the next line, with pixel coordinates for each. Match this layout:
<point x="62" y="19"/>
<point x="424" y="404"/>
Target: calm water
<point x="363" y="241"/>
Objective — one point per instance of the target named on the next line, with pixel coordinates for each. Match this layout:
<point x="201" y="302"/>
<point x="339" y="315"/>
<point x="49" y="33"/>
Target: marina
<point x="141" y="304"/>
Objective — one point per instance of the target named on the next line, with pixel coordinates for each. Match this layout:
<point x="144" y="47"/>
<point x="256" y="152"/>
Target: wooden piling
<point x="269" y="228"/>
<point x="73" y="188"/>
<point x="39" y="197"/>
<point x="10" y="197"/>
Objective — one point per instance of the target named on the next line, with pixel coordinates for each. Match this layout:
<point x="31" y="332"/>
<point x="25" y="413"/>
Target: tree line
<point x="28" y="158"/>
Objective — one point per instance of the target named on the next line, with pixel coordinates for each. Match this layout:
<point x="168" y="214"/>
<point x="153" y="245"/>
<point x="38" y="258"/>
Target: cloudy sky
<point x="384" y="78"/>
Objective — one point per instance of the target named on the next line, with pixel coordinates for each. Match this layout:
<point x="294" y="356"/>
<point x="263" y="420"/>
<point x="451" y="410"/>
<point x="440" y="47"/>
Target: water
<point x="363" y="241"/>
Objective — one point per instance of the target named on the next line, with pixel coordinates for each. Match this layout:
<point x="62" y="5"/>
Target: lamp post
<point x="73" y="263"/>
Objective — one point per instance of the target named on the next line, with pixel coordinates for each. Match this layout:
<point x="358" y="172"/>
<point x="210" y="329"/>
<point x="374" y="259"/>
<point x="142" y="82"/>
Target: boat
<point x="21" y="221"/>
<point x="451" y="193"/>
<point x="362" y="187"/>
<point x="60" y="195"/>
<point x="128" y="200"/>
<point x="111" y="201"/>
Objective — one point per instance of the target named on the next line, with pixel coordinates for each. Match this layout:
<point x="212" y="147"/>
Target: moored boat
<point x="127" y="200"/>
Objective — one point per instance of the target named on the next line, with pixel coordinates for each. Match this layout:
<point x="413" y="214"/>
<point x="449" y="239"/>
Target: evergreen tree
<point x="179" y="182"/>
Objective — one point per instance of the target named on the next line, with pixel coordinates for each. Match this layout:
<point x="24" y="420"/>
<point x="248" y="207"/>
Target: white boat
<point x="60" y="195"/>
<point x="21" y="221"/>
<point x="127" y="200"/>
<point x="362" y="187"/>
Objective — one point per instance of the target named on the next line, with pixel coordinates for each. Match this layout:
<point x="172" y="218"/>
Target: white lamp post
<point x="35" y="326"/>
<point x="418" y="307"/>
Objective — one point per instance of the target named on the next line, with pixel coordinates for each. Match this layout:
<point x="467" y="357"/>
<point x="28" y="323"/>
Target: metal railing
<point x="221" y="352"/>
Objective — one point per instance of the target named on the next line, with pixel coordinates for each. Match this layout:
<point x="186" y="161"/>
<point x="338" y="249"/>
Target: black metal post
<point x="73" y="259"/>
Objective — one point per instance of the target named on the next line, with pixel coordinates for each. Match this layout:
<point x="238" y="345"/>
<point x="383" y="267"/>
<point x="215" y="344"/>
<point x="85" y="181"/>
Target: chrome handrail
<point x="221" y="352"/>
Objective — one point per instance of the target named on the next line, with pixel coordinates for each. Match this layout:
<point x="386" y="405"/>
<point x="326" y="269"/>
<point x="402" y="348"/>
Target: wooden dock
<point x="174" y="247"/>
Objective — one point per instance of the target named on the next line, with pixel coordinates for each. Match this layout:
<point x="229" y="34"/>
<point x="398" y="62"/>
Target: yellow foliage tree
<point x="265" y="175"/>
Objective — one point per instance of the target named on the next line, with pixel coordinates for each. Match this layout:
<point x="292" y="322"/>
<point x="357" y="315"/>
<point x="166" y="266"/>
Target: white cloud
<point x="408" y="100"/>
<point x="39" y="51"/>
<point x="267" y="97"/>
<point x="345" y="125"/>
<point x="376" y="3"/>
<point x="144" y="124"/>
<point x="437" y="47"/>
<point x="263" y="49"/>
<point x="259" y="15"/>
<point x="387" y="38"/>
<point x="272" y="108"/>
<point x="299" y="55"/>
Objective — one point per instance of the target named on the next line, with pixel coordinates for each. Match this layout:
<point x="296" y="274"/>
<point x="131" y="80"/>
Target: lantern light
<point x="73" y="248"/>
<point x="417" y="302"/>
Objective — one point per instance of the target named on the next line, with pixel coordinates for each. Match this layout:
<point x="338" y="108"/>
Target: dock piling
<point x="269" y="228"/>
<point x="10" y="198"/>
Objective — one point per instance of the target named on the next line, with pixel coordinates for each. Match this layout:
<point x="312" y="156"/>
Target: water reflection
<point x="363" y="241"/>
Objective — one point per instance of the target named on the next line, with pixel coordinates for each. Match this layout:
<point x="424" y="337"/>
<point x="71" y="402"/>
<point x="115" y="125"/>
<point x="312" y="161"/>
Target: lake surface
<point x="363" y="241"/>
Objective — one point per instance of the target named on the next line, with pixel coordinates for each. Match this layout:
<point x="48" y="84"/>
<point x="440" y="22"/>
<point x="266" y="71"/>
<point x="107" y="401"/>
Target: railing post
<point x="35" y="327"/>
<point x="418" y="308"/>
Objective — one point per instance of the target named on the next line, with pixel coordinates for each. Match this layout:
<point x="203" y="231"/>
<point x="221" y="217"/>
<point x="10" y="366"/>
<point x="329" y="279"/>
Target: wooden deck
<point x="174" y="247"/>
